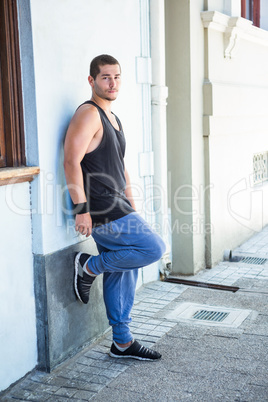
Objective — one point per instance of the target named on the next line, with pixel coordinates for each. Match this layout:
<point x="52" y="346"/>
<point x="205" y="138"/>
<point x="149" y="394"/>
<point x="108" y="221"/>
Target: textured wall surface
<point x="64" y="325"/>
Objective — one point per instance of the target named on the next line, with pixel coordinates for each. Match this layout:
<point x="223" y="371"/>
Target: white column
<point x="146" y="168"/>
<point x="144" y="78"/>
<point x="159" y="93"/>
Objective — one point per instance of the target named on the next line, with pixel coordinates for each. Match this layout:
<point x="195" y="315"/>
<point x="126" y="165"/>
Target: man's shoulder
<point x="87" y="109"/>
<point x="87" y="113"/>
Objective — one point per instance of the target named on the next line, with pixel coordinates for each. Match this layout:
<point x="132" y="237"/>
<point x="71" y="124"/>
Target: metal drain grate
<point x="254" y="260"/>
<point x="203" y="314"/>
<point x="215" y="316"/>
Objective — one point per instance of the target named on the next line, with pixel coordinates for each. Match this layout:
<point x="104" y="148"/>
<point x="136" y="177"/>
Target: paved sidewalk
<point x="201" y="361"/>
<point x="227" y="273"/>
<point x="83" y="376"/>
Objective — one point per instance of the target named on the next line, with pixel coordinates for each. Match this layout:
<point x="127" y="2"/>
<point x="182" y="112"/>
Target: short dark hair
<point x="101" y="60"/>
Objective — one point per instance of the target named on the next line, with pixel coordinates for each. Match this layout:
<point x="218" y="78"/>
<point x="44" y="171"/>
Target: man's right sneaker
<point x="135" y="351"/>
<point x="82" y="280"/>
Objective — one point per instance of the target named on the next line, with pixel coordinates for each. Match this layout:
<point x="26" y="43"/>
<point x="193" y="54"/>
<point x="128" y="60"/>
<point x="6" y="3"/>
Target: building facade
<point x="194" y="110"/>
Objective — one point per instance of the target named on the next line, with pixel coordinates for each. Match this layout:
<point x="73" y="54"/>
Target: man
<point x="100" y="190"/>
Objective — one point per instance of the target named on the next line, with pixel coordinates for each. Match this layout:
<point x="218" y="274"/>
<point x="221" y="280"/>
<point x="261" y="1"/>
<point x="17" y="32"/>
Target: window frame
<point x="251" y="10"/>
<point x="12" y="146"/>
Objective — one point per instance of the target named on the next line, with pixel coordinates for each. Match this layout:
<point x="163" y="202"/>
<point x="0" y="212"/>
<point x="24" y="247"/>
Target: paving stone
<point x="84" y="385"/>
<point x="47" y="388"/>
<point x="140" y="331"/>
<point x="139" y="337"/>
<point x="140" y="319"/>
<point x="19" y="393"/>
<point x="147" y="314"/>
<point x="156" y="333"/>
<point x="76" y="367"/>
<point x="111" y="373"/>
<point x="77" y="383"/>
<point x="56" y="398"/>
<point x="178" y="289"/>
<point x="94" y="387"/>
<point x="153" y="309"/>
<point x="100" y="349"/>
<point x="119" y="366"/>
<point x="153" y="321"/>
<point x="167" y="323"/>
<point x="148" y="326"/>
<point x="163" y="329"/>
<point x="39" y="396"/>
<point x="66" y="392"/>
<point x="69" y="374"/>
<point x="93" y="370"/>
<point x="97" y="355"/>
<point x="30" y="385"/>
<point x="152" y="299"/>
<point x="135" y="312"/>
<point x="151" y="339"/>
<point x="161" y="302"/>
<point x="135" y="324"/>
<point x="87" y="361"/>
<point x="103" y="364"/>
<point x="100" y="379"/>
<point x="56" y="381"/>
<point x="122" y="361"/>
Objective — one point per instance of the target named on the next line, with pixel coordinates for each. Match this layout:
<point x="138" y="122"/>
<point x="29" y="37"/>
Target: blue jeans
<point x="124" y="245"/>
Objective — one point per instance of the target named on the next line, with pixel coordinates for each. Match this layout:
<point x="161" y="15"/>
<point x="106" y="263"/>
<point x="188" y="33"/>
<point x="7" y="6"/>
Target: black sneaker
<point x="82" y="280"/>
<point x="135" y="351"/>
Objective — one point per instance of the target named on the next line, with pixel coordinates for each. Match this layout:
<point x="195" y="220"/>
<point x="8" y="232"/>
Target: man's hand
<point x="83" y="224"/>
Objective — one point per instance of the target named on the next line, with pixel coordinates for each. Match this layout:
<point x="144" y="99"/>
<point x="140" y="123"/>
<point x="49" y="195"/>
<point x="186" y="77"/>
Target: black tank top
<point x="104" y="174"/>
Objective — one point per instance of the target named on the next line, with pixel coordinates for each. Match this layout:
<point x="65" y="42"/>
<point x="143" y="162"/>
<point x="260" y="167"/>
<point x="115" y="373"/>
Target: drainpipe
<point x="159" y="93"/>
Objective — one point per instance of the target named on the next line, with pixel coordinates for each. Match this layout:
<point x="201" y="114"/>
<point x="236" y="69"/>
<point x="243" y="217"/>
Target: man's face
<point x="107" y="83"/>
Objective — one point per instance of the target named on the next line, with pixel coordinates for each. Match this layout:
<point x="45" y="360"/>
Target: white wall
<point x="235" y="128"/>
<point x="264" y="14"/>
<point x="67" y="34"/>
<point x="18" y="349"/>
<point x="228" y="7"/>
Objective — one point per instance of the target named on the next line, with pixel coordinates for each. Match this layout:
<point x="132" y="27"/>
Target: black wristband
<point x="81" y="208"/>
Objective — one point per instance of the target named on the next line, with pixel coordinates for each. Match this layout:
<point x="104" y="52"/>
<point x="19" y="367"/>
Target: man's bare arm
<point x="128" y="191"/>
<point x="83" y="127"/>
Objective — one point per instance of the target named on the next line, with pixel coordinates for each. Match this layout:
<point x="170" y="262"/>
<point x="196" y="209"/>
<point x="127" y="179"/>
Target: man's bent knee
<point x="157" y="248"/>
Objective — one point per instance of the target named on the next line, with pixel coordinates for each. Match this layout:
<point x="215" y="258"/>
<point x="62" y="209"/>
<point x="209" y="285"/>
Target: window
<point x="260" y="167"/>
<point x="12" y="152"/>
<point x="250" y="9"/>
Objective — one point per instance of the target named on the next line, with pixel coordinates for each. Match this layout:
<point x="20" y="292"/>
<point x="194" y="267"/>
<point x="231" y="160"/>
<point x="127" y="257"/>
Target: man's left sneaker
<point x="82" y="280"/>
<point x="135" y="351"/>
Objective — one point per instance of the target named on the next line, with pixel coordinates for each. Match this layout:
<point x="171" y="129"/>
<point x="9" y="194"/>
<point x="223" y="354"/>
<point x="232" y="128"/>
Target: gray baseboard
<point x="64" y="325"/>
